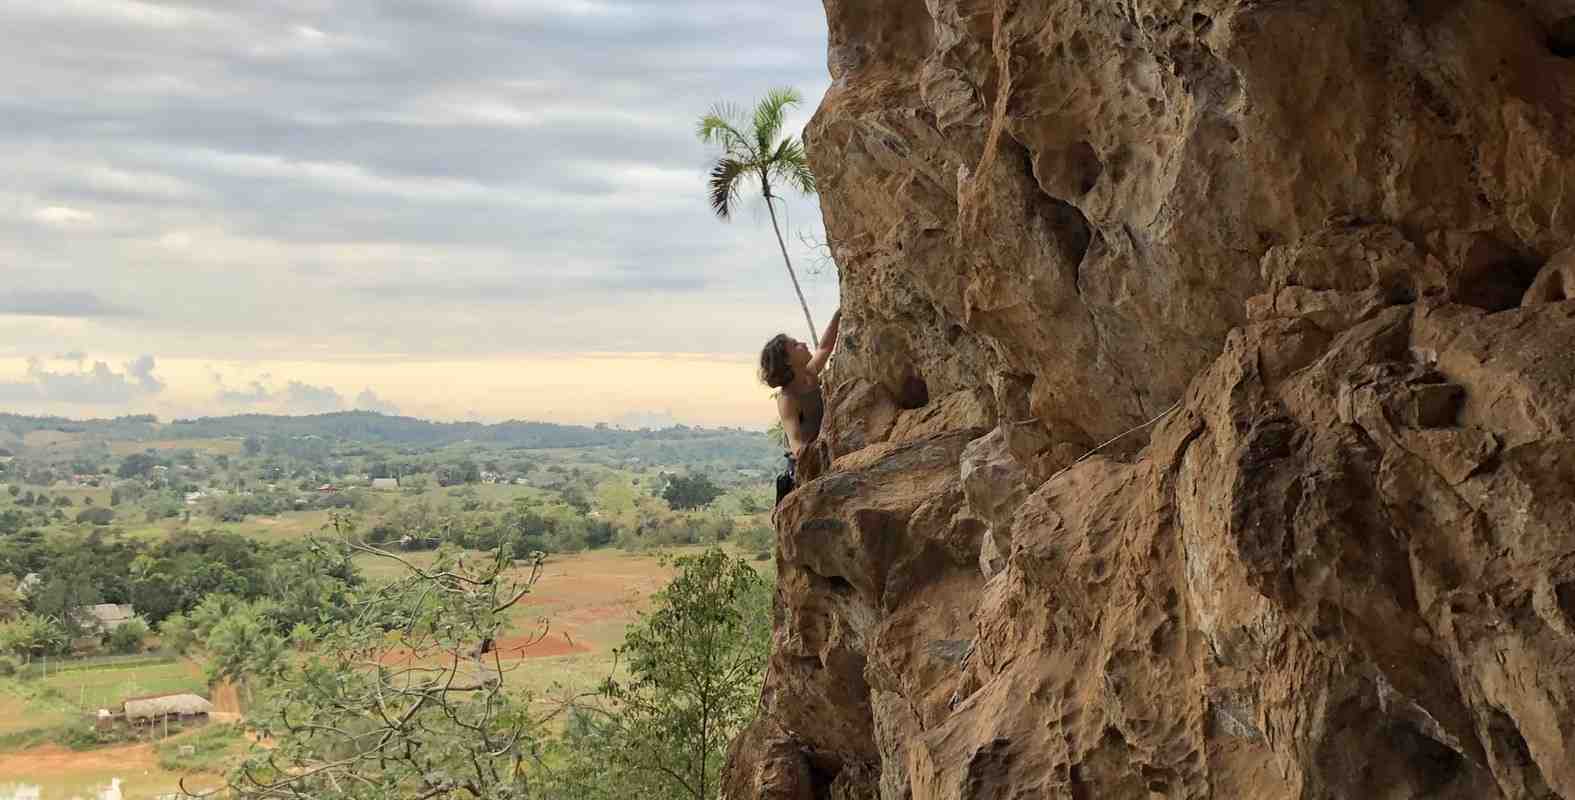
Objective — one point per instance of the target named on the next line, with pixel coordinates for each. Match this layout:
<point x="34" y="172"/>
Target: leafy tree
<point x="136" y="465"/>
<point x="127" y="637"/>
<point x="63" y="595"/>
<point x="176" y="634"/>
<point x="252" y="445"/>
<point x="356" y="718"/>
<point x="13" y="490"/>
<point x="244" y="648"/>
<point x="752" y="152"/>
<point x="695" y="664"/>
<point x="125" y="493"/>
<point x="214" y="609"/>
<point x="99" y="515"/>
<point x="310" y="586"/>
<point x="10" y="598"/>
<point x="574" y="496"/>
<point x="685" y="492"/>
<point x="34" y="634"/>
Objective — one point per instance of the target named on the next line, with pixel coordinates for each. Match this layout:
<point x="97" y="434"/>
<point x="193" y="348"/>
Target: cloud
<point x="57" y="303"/>
<point x="256" y="393"/>
<point x="297" y="397"/>
<point x="95" y="385"/>
<point x="304" y="398"/>
<point x="62" y="216"/>
<point x="552" y="290"/>
<point x="368" y="400"/>
<point x="427" y="178"/>
<point x="141" y="370"/>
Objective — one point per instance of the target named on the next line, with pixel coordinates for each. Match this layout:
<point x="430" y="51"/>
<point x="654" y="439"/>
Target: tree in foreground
<point x="695" y="663"/>
<point x="752" y="152"/>
<point x="404" y="697"/>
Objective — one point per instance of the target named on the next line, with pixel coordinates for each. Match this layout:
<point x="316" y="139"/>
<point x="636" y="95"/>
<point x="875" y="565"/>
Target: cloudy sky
<point x="455" y="209"/>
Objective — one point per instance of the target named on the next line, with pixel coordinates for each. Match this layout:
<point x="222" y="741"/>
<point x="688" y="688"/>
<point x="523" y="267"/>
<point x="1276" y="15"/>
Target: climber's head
<point x="780" y="360"/>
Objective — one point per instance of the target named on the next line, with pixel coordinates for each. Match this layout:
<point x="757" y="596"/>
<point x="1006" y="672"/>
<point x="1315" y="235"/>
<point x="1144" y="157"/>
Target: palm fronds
<point x="790" y="164"/>
<point x="722" y="127"/>
<point x="760" y="155"/>
<point x="725" y="177"/>
<point x="750" y="147"/>
<point x="771" y="114"/>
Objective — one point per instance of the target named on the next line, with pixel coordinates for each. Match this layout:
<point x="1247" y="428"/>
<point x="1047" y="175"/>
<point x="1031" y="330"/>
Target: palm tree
<point x="751" y="151"/>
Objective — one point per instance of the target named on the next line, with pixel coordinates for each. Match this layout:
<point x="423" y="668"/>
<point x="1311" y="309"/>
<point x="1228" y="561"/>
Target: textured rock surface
<point x="1344" y="564"/>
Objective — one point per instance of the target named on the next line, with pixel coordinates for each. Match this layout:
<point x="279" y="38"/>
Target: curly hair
<point x="775" y="369"/>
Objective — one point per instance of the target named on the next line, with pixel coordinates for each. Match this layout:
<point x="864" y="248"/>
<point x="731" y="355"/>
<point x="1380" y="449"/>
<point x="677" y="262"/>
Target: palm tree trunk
<point x="813" y="339"/>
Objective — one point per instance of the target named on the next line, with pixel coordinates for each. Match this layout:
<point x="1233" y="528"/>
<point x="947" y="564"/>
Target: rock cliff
<point x="1324" y="244"/>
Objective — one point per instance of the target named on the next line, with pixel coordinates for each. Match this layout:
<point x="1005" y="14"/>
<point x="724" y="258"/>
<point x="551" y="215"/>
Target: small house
<point x="171" y="707"/>
<point x="385" y="484"/>
<point x="105" y="617"/>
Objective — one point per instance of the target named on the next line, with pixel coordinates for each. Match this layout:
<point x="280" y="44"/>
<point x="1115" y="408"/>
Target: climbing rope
<point x="1118" y="437"/>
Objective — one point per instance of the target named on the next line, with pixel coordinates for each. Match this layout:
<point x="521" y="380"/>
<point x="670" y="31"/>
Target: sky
<point x="450" y="209"/>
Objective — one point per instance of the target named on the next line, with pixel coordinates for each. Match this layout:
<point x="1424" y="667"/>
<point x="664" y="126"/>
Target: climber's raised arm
<point x="828" y="343"/>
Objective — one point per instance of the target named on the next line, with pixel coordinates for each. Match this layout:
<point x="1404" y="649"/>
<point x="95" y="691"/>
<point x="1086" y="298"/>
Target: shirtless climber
<point x="787" y="364"/>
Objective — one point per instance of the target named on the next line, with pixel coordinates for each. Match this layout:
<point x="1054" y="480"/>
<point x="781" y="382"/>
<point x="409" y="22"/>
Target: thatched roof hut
<point x="105" y="617"/>
<point x="170" y="705"/>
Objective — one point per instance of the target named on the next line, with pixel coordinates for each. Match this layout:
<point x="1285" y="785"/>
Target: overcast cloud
<point x="405" y="179"/>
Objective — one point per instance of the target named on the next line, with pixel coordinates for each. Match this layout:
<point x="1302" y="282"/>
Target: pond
<point x="95" y="784"/>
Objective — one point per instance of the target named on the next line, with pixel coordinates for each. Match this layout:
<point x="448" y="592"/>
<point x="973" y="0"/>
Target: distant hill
<point x="369" y="426"/>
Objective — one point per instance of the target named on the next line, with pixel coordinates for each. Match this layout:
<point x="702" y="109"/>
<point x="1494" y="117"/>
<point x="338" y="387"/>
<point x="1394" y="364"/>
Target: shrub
<point x="7" y="667"/>
<point x="128" y="636"/>
<point x="756" y="537"/>
<point x="86" y="738"/>
<point x="97" y="516"/>
<point x="209" y="747"/>
<point x="176" y="634"/>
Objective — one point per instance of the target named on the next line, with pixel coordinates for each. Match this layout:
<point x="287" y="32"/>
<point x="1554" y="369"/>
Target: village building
<point x="171" y="708"/>
<point x="104" y="617"/>
<point x="385" y="484"/>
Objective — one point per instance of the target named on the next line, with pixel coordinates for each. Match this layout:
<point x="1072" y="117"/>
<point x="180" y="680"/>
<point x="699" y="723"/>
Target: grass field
<point x="228" y="447"/>
<point x="47" y="439"/>
<point x="24" y="707"/>
<point x="63" y="696"/>
<point x="92" y="689"/>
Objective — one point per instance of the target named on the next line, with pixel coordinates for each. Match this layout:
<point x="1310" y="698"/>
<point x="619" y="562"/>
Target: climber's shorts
<point x="785" y="481"/>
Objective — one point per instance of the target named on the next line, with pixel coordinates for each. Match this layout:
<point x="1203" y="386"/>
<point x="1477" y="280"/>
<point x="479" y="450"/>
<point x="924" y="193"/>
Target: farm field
<point x="73" y="688"/>
<point x="565" y="630"/>
<point x="229" y="447"/>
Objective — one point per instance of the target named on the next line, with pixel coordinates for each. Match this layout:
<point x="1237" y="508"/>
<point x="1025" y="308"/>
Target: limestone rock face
<point x="1325" y="245"/>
